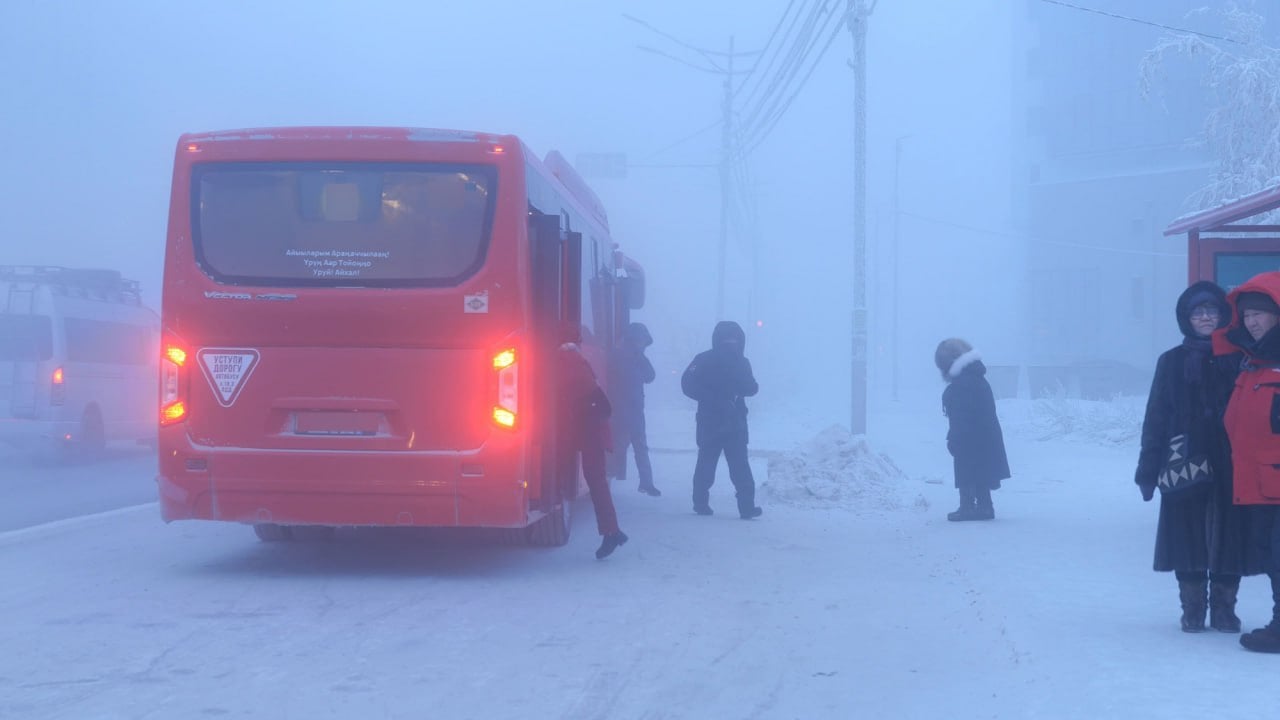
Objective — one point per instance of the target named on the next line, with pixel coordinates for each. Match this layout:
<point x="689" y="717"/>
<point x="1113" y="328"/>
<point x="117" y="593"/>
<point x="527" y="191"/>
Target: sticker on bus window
<point x="227" y="370"/>
<point x="478" y="303"/>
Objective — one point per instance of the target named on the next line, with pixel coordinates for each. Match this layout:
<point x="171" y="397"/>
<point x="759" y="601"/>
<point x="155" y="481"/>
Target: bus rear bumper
<point x="339" y="488"/>
<point x="36" y="435"/>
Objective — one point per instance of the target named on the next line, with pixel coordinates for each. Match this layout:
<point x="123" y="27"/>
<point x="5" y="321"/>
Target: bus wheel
<point x="93" y="438"/>
<point x="271" y="532"/>
<point x="553" y="529"/>
<point x="88" y="441"/>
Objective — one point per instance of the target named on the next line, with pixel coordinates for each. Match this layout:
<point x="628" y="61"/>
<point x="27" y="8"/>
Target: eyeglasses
<point x="1209" y="313"/>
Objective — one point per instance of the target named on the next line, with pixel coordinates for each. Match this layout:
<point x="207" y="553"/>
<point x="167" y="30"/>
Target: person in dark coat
<point x="584" y="428"/>
<point x="1199" y="534"/>
<point x="974" y="437"/>
<point x="1254" y="431"/>
<point x="631" y="372"/>
<point x="720" y="379"/>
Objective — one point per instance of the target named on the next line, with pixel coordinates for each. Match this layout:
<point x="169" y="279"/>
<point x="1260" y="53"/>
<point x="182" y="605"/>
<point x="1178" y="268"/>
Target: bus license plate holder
<point x="337" y="422"/>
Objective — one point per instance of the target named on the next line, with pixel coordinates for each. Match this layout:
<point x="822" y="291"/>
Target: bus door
<point x="25" y="340"/>
<point x="556" y="319"/>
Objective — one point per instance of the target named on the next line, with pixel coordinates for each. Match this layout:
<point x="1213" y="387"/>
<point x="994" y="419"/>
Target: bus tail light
<point x="173" y="373"/>
<point x="506" y="365"/>
<point x="57" y="390"/>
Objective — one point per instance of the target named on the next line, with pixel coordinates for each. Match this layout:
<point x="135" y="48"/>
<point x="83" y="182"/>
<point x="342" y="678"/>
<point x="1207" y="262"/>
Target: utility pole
<point x="726" y="179"/>
<point x="858" y="13"/>
<point x="711" y="62"/>
<point x="897" y="296"/>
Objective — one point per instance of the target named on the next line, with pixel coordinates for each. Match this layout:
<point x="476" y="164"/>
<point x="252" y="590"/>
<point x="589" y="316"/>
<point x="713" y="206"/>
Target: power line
<point x="715" y="69"/>
<point x="761" y="134"/>
<point x="767" y="61"/>
<point x="799" y="52"/>
<point x="1140" y="21"/>
<point x="787" y="54"/>
<point x="704" y="53"/>
<point x="684" y="139"/>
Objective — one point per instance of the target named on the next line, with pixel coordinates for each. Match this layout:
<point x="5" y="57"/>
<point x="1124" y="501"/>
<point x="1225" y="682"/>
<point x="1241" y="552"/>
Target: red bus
<point x="358" y="327"/>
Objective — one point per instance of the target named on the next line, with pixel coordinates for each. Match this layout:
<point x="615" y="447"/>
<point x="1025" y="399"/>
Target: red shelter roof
<point x="1215" y="218"/>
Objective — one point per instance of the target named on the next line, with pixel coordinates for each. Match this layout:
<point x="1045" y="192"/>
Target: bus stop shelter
<point x="1222" y="249"/>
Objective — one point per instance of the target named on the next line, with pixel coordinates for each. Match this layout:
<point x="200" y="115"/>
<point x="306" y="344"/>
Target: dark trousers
<point x="630" y="431"/>
<point x="704" y="473"/>
<point x="601" y="498"/>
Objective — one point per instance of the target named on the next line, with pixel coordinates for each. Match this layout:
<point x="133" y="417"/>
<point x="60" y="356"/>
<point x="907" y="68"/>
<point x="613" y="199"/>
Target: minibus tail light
<point x="57" y="388"/>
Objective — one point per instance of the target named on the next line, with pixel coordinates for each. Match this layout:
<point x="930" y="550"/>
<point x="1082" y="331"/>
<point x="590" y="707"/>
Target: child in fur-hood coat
<point x="974" y="437"/>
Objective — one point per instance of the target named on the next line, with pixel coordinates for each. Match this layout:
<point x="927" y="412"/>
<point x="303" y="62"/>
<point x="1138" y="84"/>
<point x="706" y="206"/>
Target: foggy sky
<point x="98" y="93"/>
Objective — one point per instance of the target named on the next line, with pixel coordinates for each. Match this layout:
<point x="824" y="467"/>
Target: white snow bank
<point x="836" y="469"/>
<point x="1115" y="422"/>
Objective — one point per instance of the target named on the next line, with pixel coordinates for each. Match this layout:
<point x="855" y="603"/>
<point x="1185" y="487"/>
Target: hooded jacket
<point x="631" y="370"/>
<point x="1189" y="391"/>
<point x="720" y="379"/>
<point x="1253" y="414"/>
<point x="584" y="407"/>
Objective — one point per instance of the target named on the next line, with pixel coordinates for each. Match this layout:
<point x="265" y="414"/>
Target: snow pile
<point x="836" y="469"/>
<point x="1114" y="422"/>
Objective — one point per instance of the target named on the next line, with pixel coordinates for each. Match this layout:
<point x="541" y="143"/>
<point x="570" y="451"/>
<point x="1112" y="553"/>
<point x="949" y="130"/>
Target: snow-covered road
<point x="810" y="612"/>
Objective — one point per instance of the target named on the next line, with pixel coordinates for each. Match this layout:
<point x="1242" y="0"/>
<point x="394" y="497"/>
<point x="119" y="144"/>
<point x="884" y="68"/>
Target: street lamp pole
<point x="897" y="296"/>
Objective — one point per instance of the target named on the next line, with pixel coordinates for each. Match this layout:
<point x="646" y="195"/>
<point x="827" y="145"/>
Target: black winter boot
<point x="968" y="509"/>
<point x="983" y="509"/>
<point x="1264" y="639"/>
<point x="1222" y="605"/>
<point x="1194" y="604"/>
<point x="610" y="543"/>
<point x="1267" y="639"/>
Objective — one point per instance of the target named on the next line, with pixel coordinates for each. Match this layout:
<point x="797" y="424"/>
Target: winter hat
<point x="947" y="352"/>
<point x="1257" y="301"/>
<point x="639" y="334"/>
<point x="1204" y="297"/>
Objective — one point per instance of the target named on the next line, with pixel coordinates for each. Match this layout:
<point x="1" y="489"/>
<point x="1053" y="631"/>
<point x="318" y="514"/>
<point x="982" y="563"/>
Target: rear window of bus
<point x="25" y="338"/>
<point x="341" y="224"/>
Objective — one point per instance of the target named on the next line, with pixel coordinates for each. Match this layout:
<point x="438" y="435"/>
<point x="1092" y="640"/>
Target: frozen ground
<point x="851" y="598"/>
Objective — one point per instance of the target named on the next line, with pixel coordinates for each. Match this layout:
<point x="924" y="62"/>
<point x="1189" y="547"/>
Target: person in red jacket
<point x="584" y="425"/>
<point x="1252" y="422"/>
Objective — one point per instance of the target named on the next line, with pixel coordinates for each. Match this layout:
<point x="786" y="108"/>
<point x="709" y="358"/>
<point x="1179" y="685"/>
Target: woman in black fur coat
<point x="1200" y="535"/>
<point x="974" y="437"/>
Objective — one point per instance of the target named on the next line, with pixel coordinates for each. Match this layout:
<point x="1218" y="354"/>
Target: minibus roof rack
<point x="108" y="283"/>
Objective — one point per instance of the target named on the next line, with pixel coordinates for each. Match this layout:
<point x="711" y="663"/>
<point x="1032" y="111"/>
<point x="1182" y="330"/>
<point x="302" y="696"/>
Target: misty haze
<point x="307" y="309"/>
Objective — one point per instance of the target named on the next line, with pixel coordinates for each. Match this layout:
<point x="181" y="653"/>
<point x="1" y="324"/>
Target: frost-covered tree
<point x="1242" y="127"/>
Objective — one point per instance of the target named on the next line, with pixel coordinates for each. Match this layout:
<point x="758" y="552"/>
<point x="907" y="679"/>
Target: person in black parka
<point x="1200" y="535"/>
<point x="584" y="422"/>
<point x="719" y="379"/>
<point x="631" y="372"/>
<point x="974" y="437"/>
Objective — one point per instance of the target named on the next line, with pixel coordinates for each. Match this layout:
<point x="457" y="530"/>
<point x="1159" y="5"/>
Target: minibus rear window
<point x="25" y="337"/>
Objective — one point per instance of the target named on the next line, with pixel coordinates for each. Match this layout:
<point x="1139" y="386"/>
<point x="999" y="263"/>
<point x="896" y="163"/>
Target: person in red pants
<point x="584" y="429"/>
